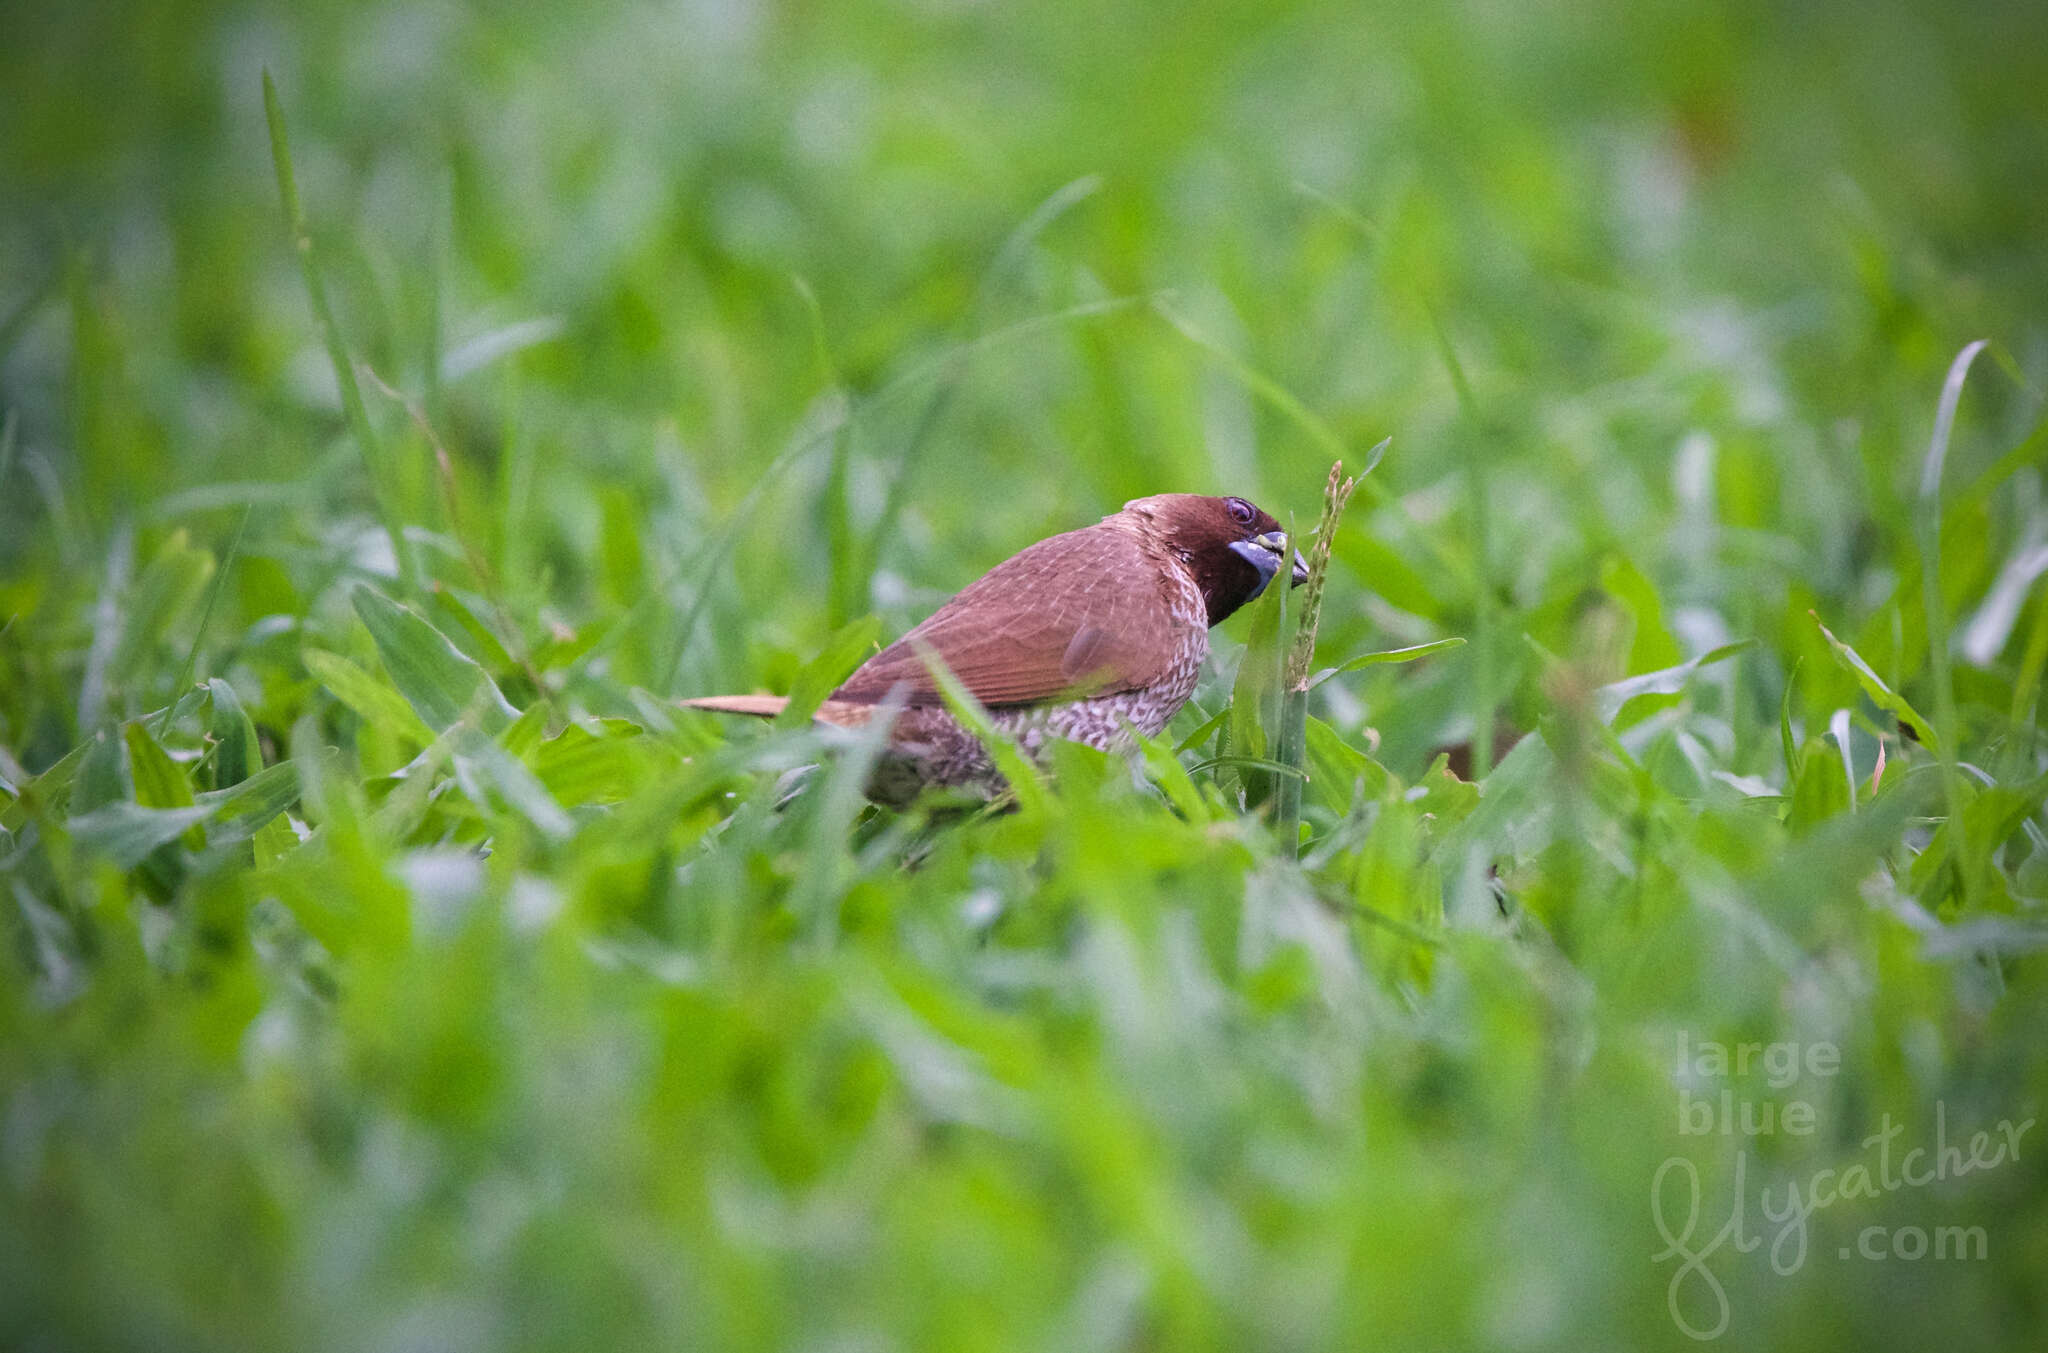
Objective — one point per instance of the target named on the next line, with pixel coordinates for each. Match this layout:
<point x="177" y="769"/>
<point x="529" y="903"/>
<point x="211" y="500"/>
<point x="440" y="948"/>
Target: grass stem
<point x="367" y="442"/>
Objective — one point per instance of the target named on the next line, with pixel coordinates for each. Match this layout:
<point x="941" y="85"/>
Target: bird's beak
<point x="1273" y="542"/>
<point x="1263" y="554"/>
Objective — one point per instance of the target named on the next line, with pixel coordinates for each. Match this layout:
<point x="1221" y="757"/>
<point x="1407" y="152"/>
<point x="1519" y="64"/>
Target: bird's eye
<point x="1240" y="511"/>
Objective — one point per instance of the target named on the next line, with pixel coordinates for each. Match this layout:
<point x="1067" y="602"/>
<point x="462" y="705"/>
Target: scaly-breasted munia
<point x="1071" y="638"/>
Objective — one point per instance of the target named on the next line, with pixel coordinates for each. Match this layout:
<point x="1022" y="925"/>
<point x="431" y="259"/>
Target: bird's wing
<point x="1085" y="613"/>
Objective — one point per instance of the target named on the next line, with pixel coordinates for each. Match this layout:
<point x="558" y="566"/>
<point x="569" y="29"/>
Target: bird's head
<point x="1229" y="545"/>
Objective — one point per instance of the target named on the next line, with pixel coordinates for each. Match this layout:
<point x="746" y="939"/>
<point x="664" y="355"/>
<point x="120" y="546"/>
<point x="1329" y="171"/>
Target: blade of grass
<point x="372" y="700"/>
<point x="1612" y="698"/>
<point x="1927" y="518"/>
<point x="1261" y="763"/>
<point x="330" y="332"/>
<point x="1010" y="759"/>
<point x="2026" y="453"/>
<point x="236" y="752"/>
<point x="481" y="765"/>
<point x="220" y="579"/>
<point x="159" y="781"/>
<point x="819" y="889"/>
<point x="127" y="833"/>
<point x="436" y="678"/>
<point x="438" y="231"/>
<point x="108" y="622"/>
<point x="1206" y="730"/>
<point x="1292" y="749"/>
<point x="822" y="674"/>
<point x="1255" y="694"/>
<point x="459" y="528"/>
<point x="1838" y="729"/>
<point x="1364" y="660"/>
<point x="1881" y="695"/>
<point x="843" y="575"/>
<point x="1479" y="506"/>
<point x="2026" y="682"/>
<point x="1787" y="744"/>
<point x="1174" y="780"/>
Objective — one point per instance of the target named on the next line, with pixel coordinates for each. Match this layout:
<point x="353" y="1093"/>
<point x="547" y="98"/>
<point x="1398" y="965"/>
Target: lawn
<point x="1638" y="937"/>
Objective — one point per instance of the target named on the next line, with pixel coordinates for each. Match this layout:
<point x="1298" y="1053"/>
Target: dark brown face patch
<point x="1203" y="530"/>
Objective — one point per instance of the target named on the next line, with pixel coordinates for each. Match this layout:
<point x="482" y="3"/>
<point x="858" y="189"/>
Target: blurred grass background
<point x="690" y="335"/>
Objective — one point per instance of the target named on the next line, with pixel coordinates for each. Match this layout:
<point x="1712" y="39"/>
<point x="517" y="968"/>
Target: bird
<point x="1073" y="637"/>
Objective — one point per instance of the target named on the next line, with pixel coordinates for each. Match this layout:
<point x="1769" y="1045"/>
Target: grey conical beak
<point x="1273" y="542"/>
<point x="1263" y="554"/>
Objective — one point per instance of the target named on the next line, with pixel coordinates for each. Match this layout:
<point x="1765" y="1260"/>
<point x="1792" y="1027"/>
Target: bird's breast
<point x="1191" y="633"/>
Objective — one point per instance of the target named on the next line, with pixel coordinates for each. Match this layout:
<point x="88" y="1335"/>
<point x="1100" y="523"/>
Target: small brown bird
<point x="1071" y="638"/>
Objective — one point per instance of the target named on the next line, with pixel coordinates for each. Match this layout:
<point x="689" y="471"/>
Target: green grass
<point x="389" y="963"/>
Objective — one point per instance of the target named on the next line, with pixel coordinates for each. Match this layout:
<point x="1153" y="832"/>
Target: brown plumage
<point x="1073" y="637"/>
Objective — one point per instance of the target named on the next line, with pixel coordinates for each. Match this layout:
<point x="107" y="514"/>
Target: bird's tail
<point x="840" y="713"/>
<point x="760" y="706"/>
